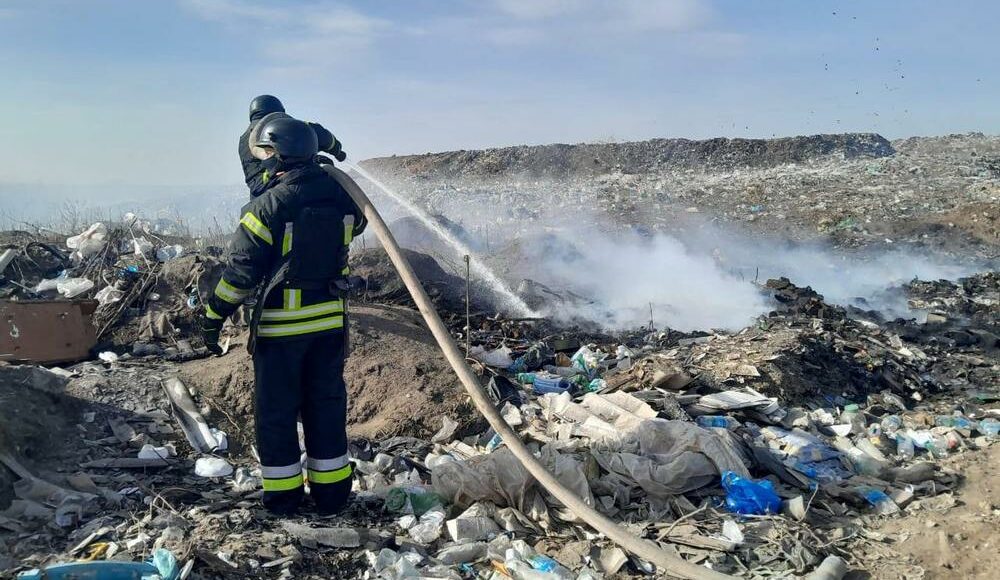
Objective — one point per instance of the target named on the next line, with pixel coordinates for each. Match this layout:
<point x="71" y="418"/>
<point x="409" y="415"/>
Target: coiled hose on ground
<point x="642" y="548"/>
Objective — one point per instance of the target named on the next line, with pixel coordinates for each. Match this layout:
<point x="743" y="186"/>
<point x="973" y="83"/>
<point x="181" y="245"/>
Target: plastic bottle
<point x="852" y="414"/>
<point x="937" y="445"/>
<point x="990" y="427"/>
<point x="543" y="385"/>
<point x="956" y="421"/>
<point x="718" y="421"/>
<point x="904" y="446"/>
<point x="891" y="424"/>
<point x="745" y="496"/>
<point x="882" y="503"/>
<point x="869" y="448"/>
<point x="863" y="463"/>
<point x="526" y="378"/>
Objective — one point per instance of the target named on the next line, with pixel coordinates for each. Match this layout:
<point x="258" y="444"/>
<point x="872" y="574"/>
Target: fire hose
<point x="640" y="547"/>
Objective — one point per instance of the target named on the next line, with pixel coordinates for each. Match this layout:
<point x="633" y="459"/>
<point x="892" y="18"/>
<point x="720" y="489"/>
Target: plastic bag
<point x="429" y="528"/>
<point x="746" y="496"/>
<point x="88" y="243"/>
<point x="51" y="283"/>
<point x="167" y="253"/>
<point x="412" y="500"/>
<point x="675" y="457"/>
<point x="141" y="246"/>
<point x="108" y="295"/>
<point x="585" y="360"/>
<point x="498" y="478"/>
<point x="495" y="358"/>
<point x="212" y="467"/>
<point x="73" y="287"/>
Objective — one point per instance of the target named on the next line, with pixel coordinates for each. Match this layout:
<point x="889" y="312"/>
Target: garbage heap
<point x="128" y="282"/>
<point x="759" y="453"/>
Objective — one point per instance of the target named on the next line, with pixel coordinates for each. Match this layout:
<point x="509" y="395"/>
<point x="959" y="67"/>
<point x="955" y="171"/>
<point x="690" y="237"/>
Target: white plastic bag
<point x="212" y="467"/>
<point x="72" y="287"/>
<point x="88" y="243"/>
<point x="141" y="246"/>
<point x="108" y="295"/>
<point x="167" y="253"/>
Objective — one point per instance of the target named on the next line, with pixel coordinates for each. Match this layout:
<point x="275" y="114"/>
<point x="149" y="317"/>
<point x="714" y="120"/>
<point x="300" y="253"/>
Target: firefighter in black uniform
<point x="255" y="175"/>
<point x="293" y="241"/>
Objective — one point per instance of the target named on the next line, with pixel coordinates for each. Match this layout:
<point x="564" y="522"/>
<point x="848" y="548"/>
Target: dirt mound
<point x="558" y="160"/>
<point x="384" y="285"/>
<point x="398" y="381"/>
<point x="32" y="419"/>
<point x="944" y="538"/>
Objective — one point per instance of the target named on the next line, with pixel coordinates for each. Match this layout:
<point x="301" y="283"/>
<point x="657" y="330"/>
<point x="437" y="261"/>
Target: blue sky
<point x="154" y="92"/>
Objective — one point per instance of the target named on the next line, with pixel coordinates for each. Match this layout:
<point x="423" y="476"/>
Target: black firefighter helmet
<point x="293" y="141"/>
<point x="264" y="104"/>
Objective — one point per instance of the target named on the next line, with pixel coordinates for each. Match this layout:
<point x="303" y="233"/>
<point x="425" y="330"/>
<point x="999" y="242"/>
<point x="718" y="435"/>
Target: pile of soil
<point x="398" y="381"/>
<point x="33" y="422"/>
<point x="383" y="284"/>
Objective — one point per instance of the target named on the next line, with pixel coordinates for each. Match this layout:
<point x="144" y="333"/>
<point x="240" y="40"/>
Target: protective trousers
<point x="302" y="376"/>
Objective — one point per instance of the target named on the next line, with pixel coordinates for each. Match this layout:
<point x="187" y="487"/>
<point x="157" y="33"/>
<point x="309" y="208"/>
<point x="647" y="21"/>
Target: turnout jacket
<point x="293" y="242"/>
<point x="253" y="173"/>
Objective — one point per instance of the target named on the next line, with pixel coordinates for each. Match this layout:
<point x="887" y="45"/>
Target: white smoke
<point x="700" y="278"/>
<point x="712" y="279"/>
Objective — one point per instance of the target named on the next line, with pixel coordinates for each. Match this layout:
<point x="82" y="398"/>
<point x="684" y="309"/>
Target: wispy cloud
<point x="321" y="31"/>
<point x="568" y="23"/>
<point x="540" y="9"/>
<point x="621" y="15"/>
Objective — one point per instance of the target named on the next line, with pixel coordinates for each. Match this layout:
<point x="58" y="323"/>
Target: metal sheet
<point x="46" y="331"/>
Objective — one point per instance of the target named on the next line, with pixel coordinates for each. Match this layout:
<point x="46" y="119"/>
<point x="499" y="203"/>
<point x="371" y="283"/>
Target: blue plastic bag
<point x="746" y="496"/>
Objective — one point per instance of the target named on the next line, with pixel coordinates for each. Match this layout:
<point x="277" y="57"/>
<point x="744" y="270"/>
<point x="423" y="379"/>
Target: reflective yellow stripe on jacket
<point x="295" y="319"/>
<point x="256" y="227"/>
<point x="230" y="293"/>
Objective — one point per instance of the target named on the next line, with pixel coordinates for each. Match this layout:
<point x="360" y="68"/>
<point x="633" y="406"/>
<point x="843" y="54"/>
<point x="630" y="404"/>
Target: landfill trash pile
<point x="116" y="266"/>
<point x="924" y="192"/>
<point x="768" y="451"/>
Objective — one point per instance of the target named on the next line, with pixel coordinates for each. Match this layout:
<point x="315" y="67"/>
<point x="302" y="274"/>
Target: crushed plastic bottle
<point x="904" y="446"/>
<point x="891" y="424"/>
<point x="990" y="427"/>
<point x="429" y="527"/>
<point x="494" y="442"/>
<point x="746" y="496"/>
<point x="955" y="421"/>
<point x="882" y="503"/>
<point x="718" y="421"/>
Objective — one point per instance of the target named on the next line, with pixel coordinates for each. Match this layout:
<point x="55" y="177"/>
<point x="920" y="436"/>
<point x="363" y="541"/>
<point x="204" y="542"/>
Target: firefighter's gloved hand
<point x="210" y="334"/>
<point x="328" y="143"/>
<point x="357" y="285"/>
